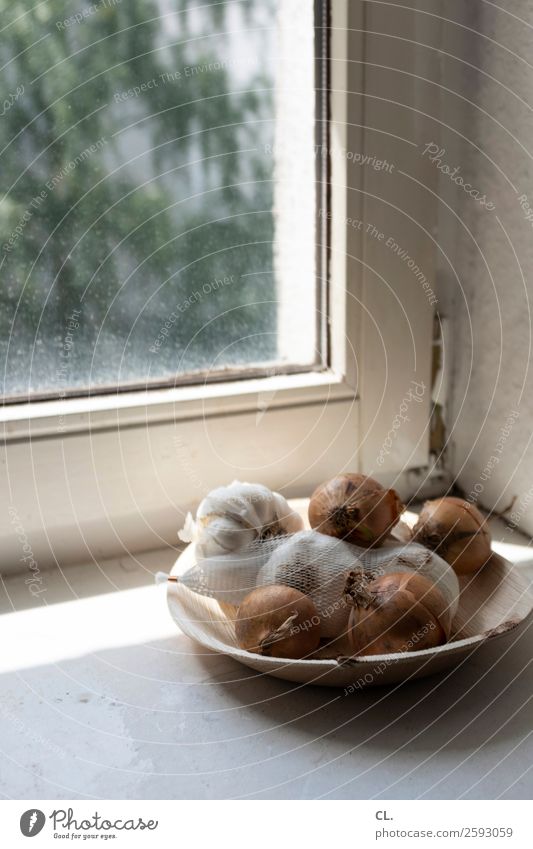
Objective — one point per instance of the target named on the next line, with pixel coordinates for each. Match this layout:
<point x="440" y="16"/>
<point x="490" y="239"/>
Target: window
<point x="286" y="391"/>
<point x="158" y="193"/>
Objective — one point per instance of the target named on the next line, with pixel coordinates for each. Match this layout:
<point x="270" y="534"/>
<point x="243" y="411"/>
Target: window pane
<point x="157" y="190"/>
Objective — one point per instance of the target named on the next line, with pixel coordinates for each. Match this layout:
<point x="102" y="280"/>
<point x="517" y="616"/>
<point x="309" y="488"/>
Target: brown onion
<point x="456" y="530"/>
<point x="355" y="508"/>
<point x="398" y="612"/>
<point x="278" y="621"/>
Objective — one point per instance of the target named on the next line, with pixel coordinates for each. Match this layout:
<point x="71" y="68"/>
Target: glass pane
<point x="157" y="191"/>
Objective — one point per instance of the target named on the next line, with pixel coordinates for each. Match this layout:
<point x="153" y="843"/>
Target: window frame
<point x="76" y="410"/>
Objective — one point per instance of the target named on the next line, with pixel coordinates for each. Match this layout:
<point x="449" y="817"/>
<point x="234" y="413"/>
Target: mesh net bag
<point x="317" y="565"/>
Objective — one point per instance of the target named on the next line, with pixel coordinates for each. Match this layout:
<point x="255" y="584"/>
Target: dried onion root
<point x="278" y="621"/>
<point x="355" y="508"/>
<point x="398" y="612"/>
<point x="456" y="530"/>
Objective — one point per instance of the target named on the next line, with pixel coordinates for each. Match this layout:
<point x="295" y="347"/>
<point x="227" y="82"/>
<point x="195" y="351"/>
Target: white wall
<point x="486" y="286"/>
<point x="391" y="193"/>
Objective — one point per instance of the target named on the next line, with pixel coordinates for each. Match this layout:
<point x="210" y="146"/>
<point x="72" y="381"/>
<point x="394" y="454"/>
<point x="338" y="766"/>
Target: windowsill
<point x="100" y="412"/>
<point x="134" y="709"/>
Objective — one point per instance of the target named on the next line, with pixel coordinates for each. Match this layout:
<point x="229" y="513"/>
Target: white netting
<point x="318" y="566"/>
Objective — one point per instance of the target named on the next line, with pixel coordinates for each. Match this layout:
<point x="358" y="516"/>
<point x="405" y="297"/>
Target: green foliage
<point x="123" y="205"/>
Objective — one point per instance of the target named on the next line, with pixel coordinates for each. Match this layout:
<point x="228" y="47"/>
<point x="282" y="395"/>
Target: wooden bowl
<point x="495" y="605"/>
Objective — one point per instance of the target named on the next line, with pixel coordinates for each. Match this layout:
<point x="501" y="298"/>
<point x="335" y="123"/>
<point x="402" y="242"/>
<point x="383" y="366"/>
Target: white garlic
<point x="233" y="517"/>
<point x="317" y="565"/>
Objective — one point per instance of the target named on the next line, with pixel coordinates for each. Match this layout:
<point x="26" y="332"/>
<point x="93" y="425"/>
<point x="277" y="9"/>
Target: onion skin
<point x="355" y="508"/>
<point x="457" y="531"/>
<point x="278" y="621"/>
<point x="398" y="612"/>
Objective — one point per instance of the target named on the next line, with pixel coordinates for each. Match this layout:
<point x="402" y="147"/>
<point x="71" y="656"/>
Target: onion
<point x="398" y="612"/>
<point x="455" y="530"/>
<point x="355" y="508"/>
<point x="278" y="621"/>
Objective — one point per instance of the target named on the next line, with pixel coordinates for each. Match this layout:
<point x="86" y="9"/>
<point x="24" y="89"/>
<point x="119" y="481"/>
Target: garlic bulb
<point x="317" y="565"/>
<point x="233" y="517"/>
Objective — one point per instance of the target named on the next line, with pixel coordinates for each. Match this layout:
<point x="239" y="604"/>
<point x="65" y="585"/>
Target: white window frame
<point x="89" y="478"/>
